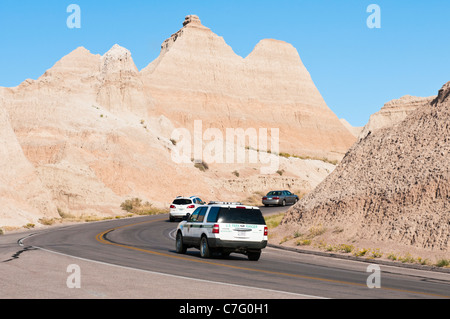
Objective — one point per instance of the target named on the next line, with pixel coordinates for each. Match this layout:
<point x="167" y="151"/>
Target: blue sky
<point x="355" y="68"/>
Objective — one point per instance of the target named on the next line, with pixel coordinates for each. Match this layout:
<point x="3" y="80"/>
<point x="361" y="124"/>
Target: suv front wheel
<point x="180" y="246"/>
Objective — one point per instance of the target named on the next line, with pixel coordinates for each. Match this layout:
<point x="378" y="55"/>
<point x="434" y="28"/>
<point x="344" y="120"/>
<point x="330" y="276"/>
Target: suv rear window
<point x="240" y="216"/>
<point x="182" y="201"/>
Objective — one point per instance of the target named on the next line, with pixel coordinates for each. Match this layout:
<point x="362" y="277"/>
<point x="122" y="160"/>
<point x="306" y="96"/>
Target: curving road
<point x="147" y="244"/>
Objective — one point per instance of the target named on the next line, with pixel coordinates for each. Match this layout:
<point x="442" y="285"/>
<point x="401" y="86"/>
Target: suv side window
<point x="194" y="216"/>
<point x="213" y="213"/>
<point x="201" y="214"/>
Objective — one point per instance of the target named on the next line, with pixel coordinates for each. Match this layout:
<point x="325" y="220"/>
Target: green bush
<point x="443" y="263"/>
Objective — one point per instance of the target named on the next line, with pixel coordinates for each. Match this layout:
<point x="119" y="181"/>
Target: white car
<point x="224" y="228"/>
<point x="181" y="206"/>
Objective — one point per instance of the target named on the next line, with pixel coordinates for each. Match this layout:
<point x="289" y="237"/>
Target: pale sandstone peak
<point x="192" y="41"/>
<point x="121" y="88"/>
<point x="192" y="20"/>
<point x="393" y="112"/>
<point x="118" y="59"/>
<point x="78" y="61"/>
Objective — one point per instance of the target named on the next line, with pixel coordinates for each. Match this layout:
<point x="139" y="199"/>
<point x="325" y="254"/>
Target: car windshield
<point x="182" y="201"/>
<point x="241" y="216"/>
<point x="274" y="194"/>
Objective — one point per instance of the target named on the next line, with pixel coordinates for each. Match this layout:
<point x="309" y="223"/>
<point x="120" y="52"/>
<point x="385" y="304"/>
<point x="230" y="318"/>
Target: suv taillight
<point x="215" y="229"/>
<point x="266" y="231"/>
<point x="172" y="206"/>
<point x="191" y="206"/>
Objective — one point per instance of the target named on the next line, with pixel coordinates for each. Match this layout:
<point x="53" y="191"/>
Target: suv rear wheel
<point x="254" y="255"/>
<point x="205" y="252"/>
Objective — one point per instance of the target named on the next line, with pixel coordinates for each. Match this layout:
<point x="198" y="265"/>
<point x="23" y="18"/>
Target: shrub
<point x="407" y="259"/>
<point x="130" y="204"/>
<point x="135" y="206"/>
<point x="286" y="155"/>
<point x="46" y="221"/>
<point x="392" y="256"/>
<point x="305" y="242"/>
<point x="422" y="261"/>
<point x="443" y="263"/>
<point x="65" y="215"/>
<point x="316" y="231"/>
<point x="362" y="252"/>
<point x="346" y="248"/>
<point x="201" y="166"/>
<point x="285" y="239"/>
<point x="298" y="234"/>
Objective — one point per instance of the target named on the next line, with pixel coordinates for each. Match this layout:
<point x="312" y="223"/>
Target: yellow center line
<point x="101" y="238"/>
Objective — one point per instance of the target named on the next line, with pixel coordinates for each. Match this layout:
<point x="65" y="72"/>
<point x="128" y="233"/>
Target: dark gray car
<point x="280" y="198"/>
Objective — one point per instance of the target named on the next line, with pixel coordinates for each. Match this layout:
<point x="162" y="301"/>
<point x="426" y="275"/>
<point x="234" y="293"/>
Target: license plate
<point x="243" y="233"/>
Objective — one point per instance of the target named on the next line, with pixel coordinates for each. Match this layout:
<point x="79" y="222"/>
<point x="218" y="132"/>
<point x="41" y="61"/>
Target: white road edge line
<point x="172" y="234"/>
<point x="182" y="277"/>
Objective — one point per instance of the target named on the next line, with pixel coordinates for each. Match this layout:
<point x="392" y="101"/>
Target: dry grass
<point x="135" y="206"/>
<point x="273" y="221"/>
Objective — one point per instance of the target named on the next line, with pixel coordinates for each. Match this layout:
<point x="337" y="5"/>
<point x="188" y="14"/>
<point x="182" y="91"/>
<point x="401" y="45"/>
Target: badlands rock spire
<point x="199" y="76"/>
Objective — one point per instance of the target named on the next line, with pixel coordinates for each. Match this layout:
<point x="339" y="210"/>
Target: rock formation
<point x="93" y="130"/>
<point x="393" y="186"/>
<point x="197" y="75"/>
<point x="23" y="198"/>
<point x="394" y="112"/>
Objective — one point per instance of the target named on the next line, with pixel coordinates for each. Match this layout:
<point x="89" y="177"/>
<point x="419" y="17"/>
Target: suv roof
<point x="187" y="197"/>
<point x="224" y="203"/>
<point x="231" y="204"/>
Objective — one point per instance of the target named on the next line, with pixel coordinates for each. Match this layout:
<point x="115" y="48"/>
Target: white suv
<point x="182" y="206"/>
<point x="224" y="228"/>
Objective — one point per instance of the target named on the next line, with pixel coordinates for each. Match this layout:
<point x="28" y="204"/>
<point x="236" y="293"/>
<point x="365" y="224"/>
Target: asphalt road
<point x="147" y="244"/>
